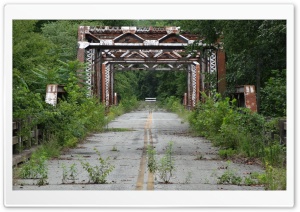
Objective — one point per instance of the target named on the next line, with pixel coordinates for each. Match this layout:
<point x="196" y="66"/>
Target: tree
<point x="253" y="48"/>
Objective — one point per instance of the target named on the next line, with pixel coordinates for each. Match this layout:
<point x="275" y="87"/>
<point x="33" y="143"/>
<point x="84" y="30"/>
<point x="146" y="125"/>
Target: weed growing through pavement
<point x="230" y="177"/>
<point x="69" y="174"/>
<point x="35" y="168"/>
<point x="152" y="163"/>
<point x="114" y="149"/>
<point x="188" y="178"/>
<point x="199" y="156"/>
<point x="206" y="181"/>
<point x="98" y="173"/>
<point x="165" y="166"/>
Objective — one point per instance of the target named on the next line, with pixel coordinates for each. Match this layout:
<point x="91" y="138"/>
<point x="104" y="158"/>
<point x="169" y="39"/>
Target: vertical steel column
<point x="221" y="63"/>
<point x="203" y="71"/>
<point x="103" y="72"/>
<point x="97" y="75"/>
<point x="89" y="70"/>
<point x="111" y="93"/>
<point x="82" y="44"/>
<point x="197" y="82"/>
<point x="189" y="87"/>
<point x="194" y="85"/>
<point x="115" y="99"/>
<point x="185" y="100"/>
<point x="107" y="84"/>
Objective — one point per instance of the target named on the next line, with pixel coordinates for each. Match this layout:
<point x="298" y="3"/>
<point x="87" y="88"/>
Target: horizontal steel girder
<point x="149" y="69"/>
<point x="150" y="60"/>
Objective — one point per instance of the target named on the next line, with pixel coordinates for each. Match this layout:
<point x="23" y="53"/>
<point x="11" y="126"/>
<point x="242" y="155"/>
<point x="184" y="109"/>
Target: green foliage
<point x="98" y="173"/>
<point x="166" y="164"/>
<point x="152" y="161"/>
<point x="35" y="168"/>
<point x="273" y="95"/>
<point x="227" y="153"/>
<point x="275" y="154"/>
<point x="240" y="131"/>
<point x="173" y="104"/>
<point x="114" y="149"/>
<point x="207" y="118"/>
<point x="230" y="177"/>
<point x="199" y="156"/>
<point x="69" y="173"/>
<point x="273" y="179"/>
<point x="188" y="178"/>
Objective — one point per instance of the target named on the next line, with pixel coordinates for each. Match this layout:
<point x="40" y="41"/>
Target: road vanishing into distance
<point x="125" y="141"/>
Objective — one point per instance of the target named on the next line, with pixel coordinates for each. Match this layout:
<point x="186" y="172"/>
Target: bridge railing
<point x="150" y="99"/>
<point x="24" y="141"/>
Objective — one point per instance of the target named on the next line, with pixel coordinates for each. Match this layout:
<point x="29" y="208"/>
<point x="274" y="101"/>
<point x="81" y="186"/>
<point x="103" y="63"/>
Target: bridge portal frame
<point x="109" y="49"/>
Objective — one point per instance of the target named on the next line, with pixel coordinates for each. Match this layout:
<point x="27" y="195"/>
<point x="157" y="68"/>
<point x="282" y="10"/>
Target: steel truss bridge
<point x="106" y="50"/>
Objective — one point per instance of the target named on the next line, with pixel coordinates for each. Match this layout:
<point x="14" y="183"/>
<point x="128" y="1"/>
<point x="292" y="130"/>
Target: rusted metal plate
<point x="51" y="94"/>
<point x="250" y="97"/>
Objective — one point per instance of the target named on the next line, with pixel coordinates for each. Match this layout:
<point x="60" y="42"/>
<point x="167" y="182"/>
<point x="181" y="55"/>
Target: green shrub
<point x="227" y="153"/>
<point x="35" y="168"/>
<point x="99" y="172"/>
<point x="240" y="131"/>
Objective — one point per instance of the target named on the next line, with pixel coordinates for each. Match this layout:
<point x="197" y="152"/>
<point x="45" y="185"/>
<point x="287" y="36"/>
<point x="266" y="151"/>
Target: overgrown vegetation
<point x="173" y="104"/>
<point x="238" y="131"/>
<point x="35" y="168"/>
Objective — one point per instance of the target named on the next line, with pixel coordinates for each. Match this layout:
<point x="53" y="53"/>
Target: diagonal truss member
<point x="108" y="49"/>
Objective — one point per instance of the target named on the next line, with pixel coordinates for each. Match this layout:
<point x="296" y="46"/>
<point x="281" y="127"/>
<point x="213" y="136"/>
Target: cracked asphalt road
<point x="197" y="164"/>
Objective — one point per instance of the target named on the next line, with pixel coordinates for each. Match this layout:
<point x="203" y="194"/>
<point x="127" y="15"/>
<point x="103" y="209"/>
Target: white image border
<point x="144" y="198"/>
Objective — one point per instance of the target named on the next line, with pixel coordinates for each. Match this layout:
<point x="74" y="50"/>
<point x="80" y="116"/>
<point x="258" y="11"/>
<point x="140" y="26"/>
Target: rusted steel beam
<point x="142" y="47"/>
<point x="103" y="82"/>
<point x="185" y="100"/>
<point x="221" y="63"/>
<point x="111" y="86"/>
<point x="189" y="90"/>
<point x="149" y="69"/>
<point x="197" y="82"/>
<point x="150" y="60"/>
<point x="97" y="80"/>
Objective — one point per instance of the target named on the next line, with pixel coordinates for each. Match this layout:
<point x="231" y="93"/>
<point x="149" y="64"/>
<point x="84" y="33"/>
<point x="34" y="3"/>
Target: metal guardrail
<point x="150" y="99"/>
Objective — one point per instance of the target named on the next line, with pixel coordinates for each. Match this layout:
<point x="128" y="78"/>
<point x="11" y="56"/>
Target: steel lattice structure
<point x="109" y="49"/>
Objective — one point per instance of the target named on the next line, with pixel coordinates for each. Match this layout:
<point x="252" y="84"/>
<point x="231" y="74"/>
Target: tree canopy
<point x="255" y="54"/>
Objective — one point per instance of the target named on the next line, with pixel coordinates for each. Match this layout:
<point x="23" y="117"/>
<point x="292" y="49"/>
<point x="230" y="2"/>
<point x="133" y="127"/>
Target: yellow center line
<point x="150" y="181"/>
<point x="140" y="180"/>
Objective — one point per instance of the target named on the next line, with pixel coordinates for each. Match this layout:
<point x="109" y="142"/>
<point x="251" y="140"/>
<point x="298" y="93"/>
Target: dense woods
<point x="44" y="52"/>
